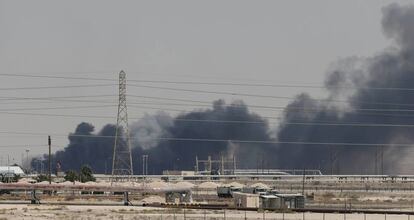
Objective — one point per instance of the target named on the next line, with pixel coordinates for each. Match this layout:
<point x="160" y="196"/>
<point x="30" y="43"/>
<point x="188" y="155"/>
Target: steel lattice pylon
<point x="122" y="158"/>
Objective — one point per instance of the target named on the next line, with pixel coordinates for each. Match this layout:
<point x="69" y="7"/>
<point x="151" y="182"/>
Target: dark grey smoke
<point x="96" y="151"/>
<point x="181" y="154"/>
<point x="393" y="68"/>
<point x="349" y="86"/>
<point x="84" y="148"/>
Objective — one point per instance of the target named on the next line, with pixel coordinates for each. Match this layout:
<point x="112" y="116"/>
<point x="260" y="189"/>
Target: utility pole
<point x="376" y="161"/>
<point x="222" y="165"/>
<point x="333" y="159"/>
<point x="303" y="182"/>
<point x="8" y="168"/>
<point x="196" y="166"/>
<point x="209" y="164"/>
<point x="50" y="159"/>
<point x="122" y="157"/>
<point x="382" y="160"/>
<point x="27" y="160"/>
<point x="262" y="164"/>
<point x="144" y="165"/>
<point x="379" y="160"/>
<point x="234" y="165"/>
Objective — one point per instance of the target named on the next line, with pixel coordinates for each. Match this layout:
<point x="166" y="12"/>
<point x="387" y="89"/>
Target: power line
<point x="234" y="141"/>
<point x="210" y="83"/>
<point x="224" y="93"/>
<point x="57" y="115"/>
<point x="276" y="108"/>
<point x="56" y="87"/>
<point x="286" y="142"/>
<point x="257" y="95"/>
<point x="170" y="99"/>
<point x="283" y="108"/>
<point x="54" y="77"/>
<point x="209" y="102"/>
<point x="53" y="108"/>
<point x="46" y="100"/>
<point x="222" y="121"/>
<point x="22" y="145"/>
<point x="6" y="98"/>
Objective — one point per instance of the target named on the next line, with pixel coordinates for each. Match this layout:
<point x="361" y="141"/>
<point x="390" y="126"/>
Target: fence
<point x="190" y="214"/>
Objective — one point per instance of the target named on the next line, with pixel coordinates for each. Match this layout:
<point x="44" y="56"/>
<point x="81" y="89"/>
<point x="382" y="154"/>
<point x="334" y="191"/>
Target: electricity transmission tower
<point x="122" y="158"/>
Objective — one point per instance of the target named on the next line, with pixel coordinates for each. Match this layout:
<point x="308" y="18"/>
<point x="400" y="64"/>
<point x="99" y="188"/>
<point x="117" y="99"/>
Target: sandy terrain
<point x="136" y="212"/>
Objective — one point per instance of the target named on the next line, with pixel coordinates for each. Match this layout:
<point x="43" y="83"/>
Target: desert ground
<point x="37" y="212"/>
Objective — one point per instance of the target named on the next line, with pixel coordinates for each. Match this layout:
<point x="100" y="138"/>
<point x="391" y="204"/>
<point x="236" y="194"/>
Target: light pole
<point x="144" y="165"/>
<point x="27" y="160"/>
<point x="8" y="169"/>
<point x="50" y="159"/>
<point x="106" y="164"/>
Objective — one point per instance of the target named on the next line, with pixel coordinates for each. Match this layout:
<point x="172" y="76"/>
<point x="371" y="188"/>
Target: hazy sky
<point x="287" y="42"/>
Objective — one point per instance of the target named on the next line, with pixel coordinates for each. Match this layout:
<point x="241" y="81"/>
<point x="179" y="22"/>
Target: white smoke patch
<point x="398" y="23"/>
<point x="232" y="149"/>
<point x="147" y="131"/>
<point x="344" y="78"/>
<point x="400" y="159"/>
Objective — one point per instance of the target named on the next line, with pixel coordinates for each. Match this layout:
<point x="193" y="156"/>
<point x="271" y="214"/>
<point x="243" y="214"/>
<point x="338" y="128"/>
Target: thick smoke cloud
<point x="147" y="131"/>
<point x="398" y="23"/>
<point x="148" y="135"/>
<point x="393" y="68"/>
<point x="85" y="147"/>
<point x="181" y="154"/>
<point x="357" y="93"/>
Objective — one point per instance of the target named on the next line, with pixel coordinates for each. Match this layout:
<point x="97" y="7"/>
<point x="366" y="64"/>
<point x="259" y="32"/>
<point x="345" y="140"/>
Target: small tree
<point x="42" y="177"/>
<point x="71" y="176"/>
<point x="86" y="174"/>
<point x="9" y="178"/>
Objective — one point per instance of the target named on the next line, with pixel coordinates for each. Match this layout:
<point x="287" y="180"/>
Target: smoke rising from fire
<point x="358" y="91"/>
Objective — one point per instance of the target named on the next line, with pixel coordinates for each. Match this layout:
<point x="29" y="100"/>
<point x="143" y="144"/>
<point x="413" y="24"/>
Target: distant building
<point x="268" y="201"/>
<point x="11" y="170"/>
<point x="246" y="200"/>
<point x="285" y="201"/>
<point x="178" y="172"/>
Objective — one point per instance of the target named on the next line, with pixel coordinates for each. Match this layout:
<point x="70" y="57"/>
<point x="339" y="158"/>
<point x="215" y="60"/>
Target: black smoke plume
<point x="176" y="154"/>
<point x="96" y="150"/>
<point x="369" y="102"/>
<point x="358" y="92"/>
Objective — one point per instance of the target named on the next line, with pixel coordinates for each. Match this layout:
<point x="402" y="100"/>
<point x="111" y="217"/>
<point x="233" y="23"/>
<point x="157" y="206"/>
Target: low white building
<point x="11" y="170"/>
<point x="246" y="200"/>
<point x="178" y="172"/>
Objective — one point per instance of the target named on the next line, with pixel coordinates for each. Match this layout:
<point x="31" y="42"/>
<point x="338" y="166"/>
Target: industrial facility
<point x="185" y="110"/>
